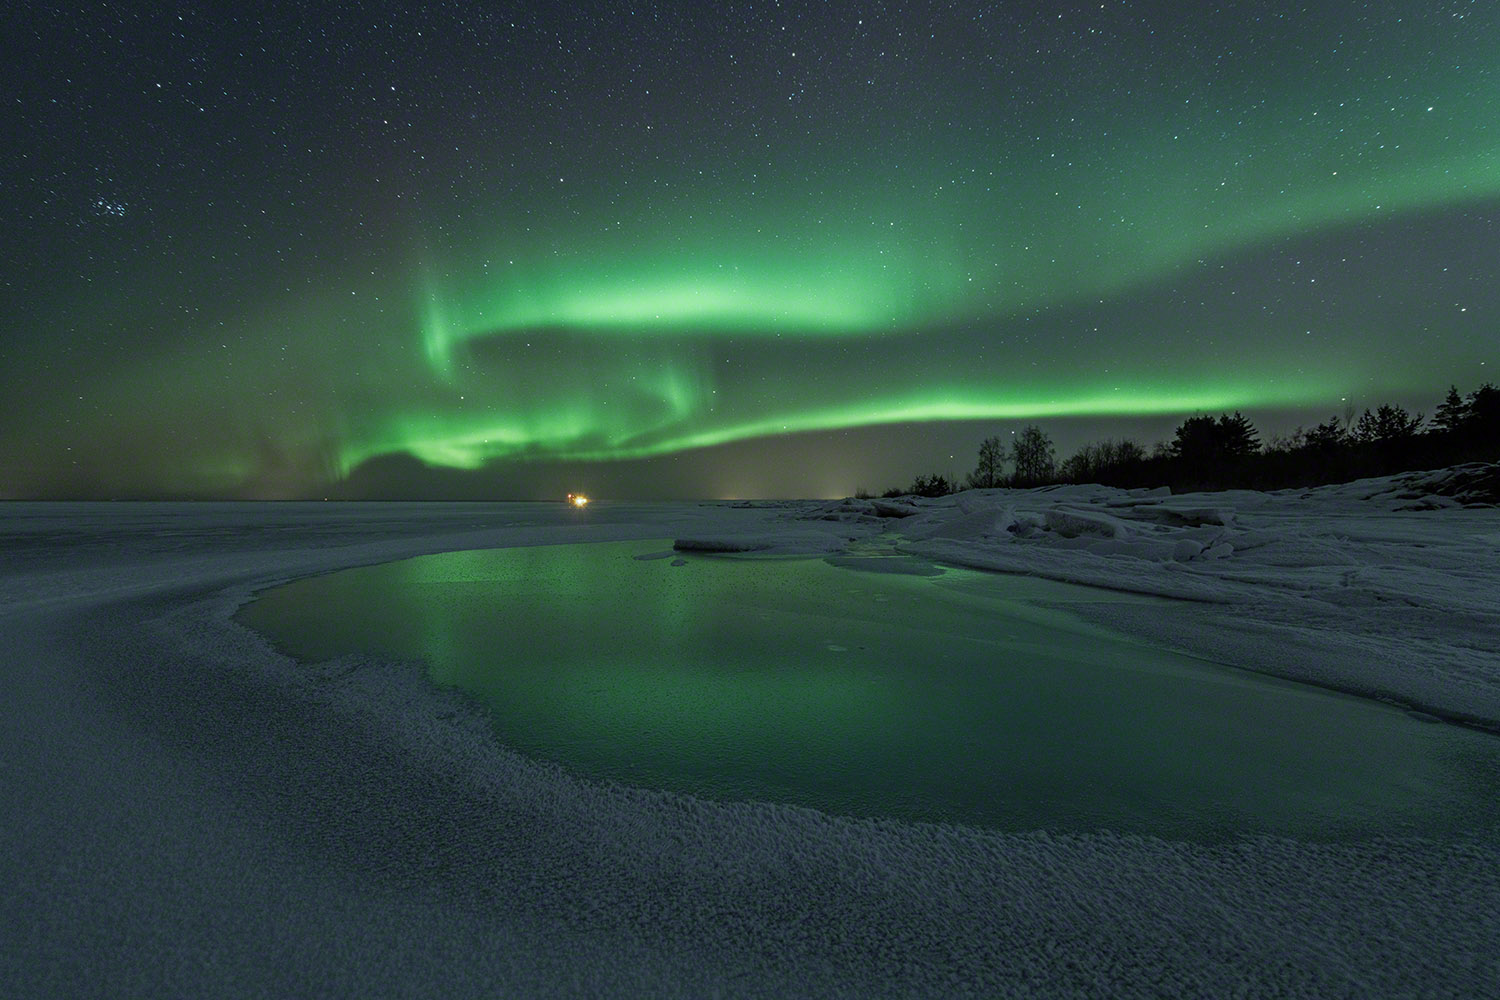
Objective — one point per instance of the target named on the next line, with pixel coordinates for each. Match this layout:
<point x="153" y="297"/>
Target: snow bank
<point x="1384" y="587"/>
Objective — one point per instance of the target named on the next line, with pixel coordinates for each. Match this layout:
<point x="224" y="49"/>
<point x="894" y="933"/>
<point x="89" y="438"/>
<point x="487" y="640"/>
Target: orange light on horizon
<point x="578" y="500"/>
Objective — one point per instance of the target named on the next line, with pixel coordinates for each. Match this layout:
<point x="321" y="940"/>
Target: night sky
<point x="728" y="249"/>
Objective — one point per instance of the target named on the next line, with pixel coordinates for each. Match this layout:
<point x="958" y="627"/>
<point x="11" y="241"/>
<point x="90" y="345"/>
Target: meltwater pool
<point x="881" y="686"/>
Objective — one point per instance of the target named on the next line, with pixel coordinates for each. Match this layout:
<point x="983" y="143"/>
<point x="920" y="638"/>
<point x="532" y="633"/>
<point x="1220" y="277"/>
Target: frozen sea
<point x="187" y="811"/>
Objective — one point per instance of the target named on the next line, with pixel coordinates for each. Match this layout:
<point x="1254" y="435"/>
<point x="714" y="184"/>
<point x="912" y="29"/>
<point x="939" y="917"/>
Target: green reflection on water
<point x="955" y="697"/>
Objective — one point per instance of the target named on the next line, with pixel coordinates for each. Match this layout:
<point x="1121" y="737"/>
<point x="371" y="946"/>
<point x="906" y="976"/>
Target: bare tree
<point x="1033" y="455"/>
<point x="1098" y="461"/>
<point x="991" y="468"/>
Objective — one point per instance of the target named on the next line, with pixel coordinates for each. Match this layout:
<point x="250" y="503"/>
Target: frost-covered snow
<point x="1384" y="587"/>
<point x="183" y="811"/>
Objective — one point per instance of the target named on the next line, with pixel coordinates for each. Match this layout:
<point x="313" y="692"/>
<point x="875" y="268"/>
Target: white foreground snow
<point x="185" y="812"/>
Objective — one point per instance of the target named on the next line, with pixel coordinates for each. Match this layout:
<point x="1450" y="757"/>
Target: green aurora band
<point x="584" y="434"/>
<point x="844" y="294"/>
<point x="973" y="243"/>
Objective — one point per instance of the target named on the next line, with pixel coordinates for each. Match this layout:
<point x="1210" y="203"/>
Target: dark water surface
<point x="911" y="692"/>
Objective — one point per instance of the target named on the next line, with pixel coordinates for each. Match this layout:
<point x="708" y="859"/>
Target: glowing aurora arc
<point x="630" y="388"/>
<point x="584" y="435"/>
<point x="839" y="291"/>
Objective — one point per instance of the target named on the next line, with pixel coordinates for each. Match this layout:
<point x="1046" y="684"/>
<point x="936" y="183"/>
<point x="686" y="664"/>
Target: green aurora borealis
<point x="253" y="260"/>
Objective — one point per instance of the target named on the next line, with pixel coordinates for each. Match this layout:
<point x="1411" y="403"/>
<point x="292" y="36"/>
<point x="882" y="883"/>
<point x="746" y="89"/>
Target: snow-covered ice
<point x="183" y="811"/>
<point x="1386" y="587"/>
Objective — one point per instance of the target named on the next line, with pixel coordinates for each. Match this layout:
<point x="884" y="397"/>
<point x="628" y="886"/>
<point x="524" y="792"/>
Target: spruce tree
<point x="1451" y="413"/>
<point x="1237" y="436"/>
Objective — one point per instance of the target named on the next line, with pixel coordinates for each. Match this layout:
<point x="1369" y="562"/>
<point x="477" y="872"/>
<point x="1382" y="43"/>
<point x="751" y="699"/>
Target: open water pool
<point x="881" y="686"/>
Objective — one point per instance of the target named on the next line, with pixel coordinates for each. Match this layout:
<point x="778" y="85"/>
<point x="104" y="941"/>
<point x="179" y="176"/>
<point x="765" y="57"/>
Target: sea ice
<point x="185" y="811"/>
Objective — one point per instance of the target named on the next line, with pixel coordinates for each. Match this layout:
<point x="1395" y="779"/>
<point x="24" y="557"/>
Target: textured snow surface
<point x="1382" y="587"/>
<point x="184" y="812"/>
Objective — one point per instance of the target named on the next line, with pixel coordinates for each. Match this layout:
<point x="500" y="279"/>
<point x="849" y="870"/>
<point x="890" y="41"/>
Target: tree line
<point x="1226" y="452"/>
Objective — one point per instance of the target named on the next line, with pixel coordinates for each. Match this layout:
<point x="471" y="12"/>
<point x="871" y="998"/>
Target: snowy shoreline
<point x="1384" y="588"/>
<point x="188" y="812"/>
